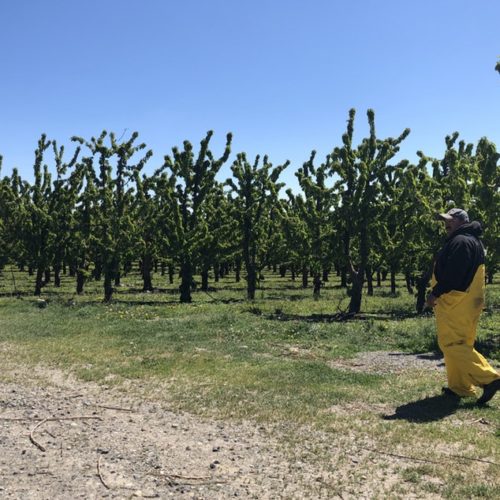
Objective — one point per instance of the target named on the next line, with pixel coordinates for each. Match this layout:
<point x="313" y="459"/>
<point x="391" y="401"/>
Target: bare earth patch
<point x="62" y="438"/>
<point x="389" y="362"/>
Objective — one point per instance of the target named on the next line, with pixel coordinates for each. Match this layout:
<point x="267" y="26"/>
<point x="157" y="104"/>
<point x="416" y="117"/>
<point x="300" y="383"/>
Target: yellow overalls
<point x="457" y="315"/>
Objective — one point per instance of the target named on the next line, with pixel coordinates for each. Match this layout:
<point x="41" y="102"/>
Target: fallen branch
<point x="32" y="438"/>
<point x="171" y="477"/>
<point x="118" y="408"/>
<point x="52" y="419"/>
<point x="49" y="419"/>
<point x="401" y="456"/>
<point x="187" y="478"/>
<point x="99" y="473"/>
<point x="20" y="419"/>
<point x="460" y="457"/>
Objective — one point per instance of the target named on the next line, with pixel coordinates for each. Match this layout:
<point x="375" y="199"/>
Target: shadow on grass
<point x="489" y="347"/>
<point x="341" y="316"/>
<point x="429" y="409"/>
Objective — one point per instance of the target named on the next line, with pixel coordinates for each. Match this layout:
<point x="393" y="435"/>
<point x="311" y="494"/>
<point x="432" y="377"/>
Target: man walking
<point x="457" y="297"/>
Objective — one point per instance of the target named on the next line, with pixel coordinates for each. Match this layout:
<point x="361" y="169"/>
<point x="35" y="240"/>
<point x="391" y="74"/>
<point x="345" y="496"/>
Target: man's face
<point x="452" y="225"/>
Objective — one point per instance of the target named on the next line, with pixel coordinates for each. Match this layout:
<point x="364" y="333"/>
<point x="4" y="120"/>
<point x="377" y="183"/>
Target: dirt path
<point x="102" y="443"/>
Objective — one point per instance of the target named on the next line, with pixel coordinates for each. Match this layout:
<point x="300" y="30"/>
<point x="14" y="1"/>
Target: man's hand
<point x="431" y="300"/>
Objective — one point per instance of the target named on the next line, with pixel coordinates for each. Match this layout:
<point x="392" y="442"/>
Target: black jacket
<point x="458" y="260"/>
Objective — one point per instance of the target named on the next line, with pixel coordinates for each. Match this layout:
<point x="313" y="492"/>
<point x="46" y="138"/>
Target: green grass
<point x="269" y="360"/>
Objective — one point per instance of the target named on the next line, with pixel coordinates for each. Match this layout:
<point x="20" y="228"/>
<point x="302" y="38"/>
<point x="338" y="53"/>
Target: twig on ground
<point x="19" y="419"/>
<point x="187" y="478"/>
<point x="32" y="438"/>
<point x="400" y="456"/>
<point x="34" y="419"/>
<point x="99" y="473"/>
<point x="52" y="419"/>
<point x="50" y="434"/>
<point x="460" y="457"/>
<point x="118" y="408"/>
<point x="205" y="479"/>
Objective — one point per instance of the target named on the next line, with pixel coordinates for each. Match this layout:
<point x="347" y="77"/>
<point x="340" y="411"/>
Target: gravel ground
<point x="390" y="362"/>
<point x="61" y="438"/>
<point x="100" y="444"/>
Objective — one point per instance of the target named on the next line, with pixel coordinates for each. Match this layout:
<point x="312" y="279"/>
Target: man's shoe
<point x="448" y="392"/>
<point x="489" y="391"/>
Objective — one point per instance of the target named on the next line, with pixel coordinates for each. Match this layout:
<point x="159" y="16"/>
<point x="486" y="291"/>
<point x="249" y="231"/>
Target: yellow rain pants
<point x="457" y="315"/>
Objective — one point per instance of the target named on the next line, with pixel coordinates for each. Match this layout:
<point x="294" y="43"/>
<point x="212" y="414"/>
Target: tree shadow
<point x="339" y="317"/>
<point x="312" y="318"/>
<point x="429" y="409"/>
<point x="434" y="356"/>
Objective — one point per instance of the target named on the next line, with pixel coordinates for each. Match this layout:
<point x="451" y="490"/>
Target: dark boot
<point x="489" y="391"/>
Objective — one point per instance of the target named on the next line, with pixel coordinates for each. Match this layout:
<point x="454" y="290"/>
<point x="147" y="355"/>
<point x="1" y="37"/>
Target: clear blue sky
<point x="281" y="75"/>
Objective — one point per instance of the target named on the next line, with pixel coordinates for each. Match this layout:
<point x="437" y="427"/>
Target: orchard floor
<point x="124" y="441"/>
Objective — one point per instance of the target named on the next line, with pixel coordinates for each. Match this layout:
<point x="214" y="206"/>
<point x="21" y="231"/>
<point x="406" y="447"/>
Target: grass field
<point x="272" y="360"/>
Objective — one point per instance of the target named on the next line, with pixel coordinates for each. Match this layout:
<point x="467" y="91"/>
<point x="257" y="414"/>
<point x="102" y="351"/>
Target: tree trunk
<point x="97" y="273"/>
<point x="421" y="293"/>
<point x="80" y="281"/>
<point x="357" y="279"/>
<point x="292" y="272"/>
<point x="282" y="271"/>
<point x="409" y="280"/>
<point x="359" y="276"/>
<point x="147" y="267"/>
<point x="57" y="275"/>
<point x="422" y="282"/>
<point x="393" y="282"/>
<point x="379" y="278"/>
<point x="204" y="279"/>
<point x="326" y="272"/>
<point x="171" y="272"/>
<point x="186" y="282"/>
<point x="251" y="281"/>
<point x="238" y="270"/>
<point x="316" y="286"/>
<point x="39" y="281"/>
<point x="369" y="281"/>
<point x="343" y="277"/>
<point x="346" y="248"/>
<point x="127" y="267"/>
<point x="216" y="272"/>
<point x="47" y="278"/>
<point x="108" y="286"/>
<point x="305" y="276"/>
